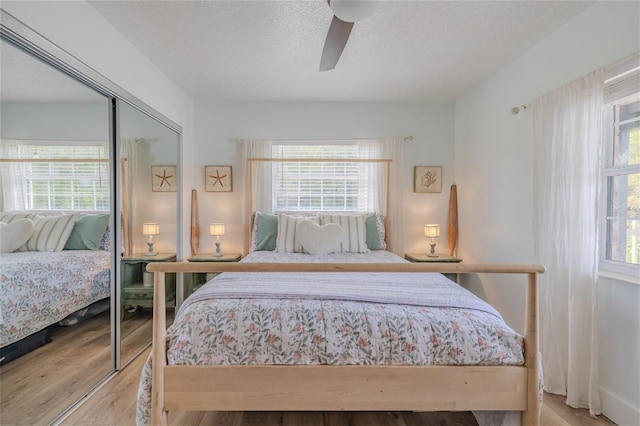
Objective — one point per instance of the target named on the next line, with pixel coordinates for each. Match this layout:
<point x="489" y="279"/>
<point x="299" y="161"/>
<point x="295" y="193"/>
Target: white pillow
<point x="287" y="240"/>
<point x="15" y="234"/>
<point x="50" y="233"/>
<point x="354" y="238"/>
<point x="316" y="239"/>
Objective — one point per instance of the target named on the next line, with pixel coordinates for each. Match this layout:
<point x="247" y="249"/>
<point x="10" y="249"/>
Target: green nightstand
<point x="197" y="278"/>
<point x="442" y="258"/>
<point x="137" y="284"/>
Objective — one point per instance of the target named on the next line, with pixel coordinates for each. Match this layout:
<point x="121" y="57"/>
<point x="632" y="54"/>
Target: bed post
<point x="532" y="353"/>
<point x="158" y="357"/>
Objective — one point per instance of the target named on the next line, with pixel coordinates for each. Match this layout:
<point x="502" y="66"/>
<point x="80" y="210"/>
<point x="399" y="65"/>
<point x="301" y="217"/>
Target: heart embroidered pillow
<point x="316" y="239"/>
<point x="15" y="234"/>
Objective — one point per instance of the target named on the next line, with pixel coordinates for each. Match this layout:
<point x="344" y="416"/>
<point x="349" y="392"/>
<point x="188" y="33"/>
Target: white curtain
<point x="257" y="181"/>
<point x="391" y="149"/>
<point x="12" y="179"/>
<point x="129" y="157"/>
<point x="567" y="165"/>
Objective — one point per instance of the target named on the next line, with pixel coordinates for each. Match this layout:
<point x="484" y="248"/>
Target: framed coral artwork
<point x="427" y="179"/>
<point x="217" y="179"/>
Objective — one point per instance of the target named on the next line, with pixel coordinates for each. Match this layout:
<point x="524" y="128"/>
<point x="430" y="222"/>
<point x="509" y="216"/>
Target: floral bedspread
<point x="289" y="331"/>
<point x="38" y="289"/>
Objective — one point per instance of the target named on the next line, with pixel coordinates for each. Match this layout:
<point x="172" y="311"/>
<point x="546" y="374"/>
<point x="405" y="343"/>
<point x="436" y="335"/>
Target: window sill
<point x="619" y="277"/>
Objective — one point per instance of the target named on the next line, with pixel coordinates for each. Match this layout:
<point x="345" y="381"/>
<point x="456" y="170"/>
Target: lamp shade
<point x="353" y="10"/>
<point x="150" y="229"/>
<point x="216" y="229"/>
<point x="432" y="231"/>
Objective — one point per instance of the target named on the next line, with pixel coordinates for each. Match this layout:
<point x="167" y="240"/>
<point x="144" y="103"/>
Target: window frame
<point x="83" y="143"/>
<point x="362" y="184"/>
<point x="609" y="268"/>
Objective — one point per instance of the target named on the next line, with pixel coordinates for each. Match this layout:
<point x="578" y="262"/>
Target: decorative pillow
<point x="316" y="239"/>
<point x="105" y="243"/>
<point x="265" y="232"/>
<point x="374" y="224"/>
<point x="50" y="233"/>
<point x="87" y="232"/>
<point x="354" y="238"/>
<point x="287" y="240"/>
<point x="14" y="234"/>
<point x="12" y="217"/>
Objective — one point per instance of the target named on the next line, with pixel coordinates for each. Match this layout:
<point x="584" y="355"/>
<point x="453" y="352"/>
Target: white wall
<point x="219" y="123"/>
<point x="494" y="172"/>
<point x="79" y="29"/>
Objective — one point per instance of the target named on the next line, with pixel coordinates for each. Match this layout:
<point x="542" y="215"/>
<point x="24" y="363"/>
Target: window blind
<point x="61" y="185"/>
<point x="319" y="186"/>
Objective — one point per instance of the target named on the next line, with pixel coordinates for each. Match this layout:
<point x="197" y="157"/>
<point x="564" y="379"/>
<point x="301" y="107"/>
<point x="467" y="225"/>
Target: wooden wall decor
<point x="453" y="219"/>
<point x="195" y="224"/>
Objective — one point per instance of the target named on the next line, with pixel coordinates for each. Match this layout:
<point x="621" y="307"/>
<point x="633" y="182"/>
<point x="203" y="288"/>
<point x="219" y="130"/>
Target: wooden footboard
<point x="332" y="388"/>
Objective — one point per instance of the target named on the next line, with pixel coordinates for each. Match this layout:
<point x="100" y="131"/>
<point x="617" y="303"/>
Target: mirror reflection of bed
<point x="56" y="288"/>
<point x="58" y="303"/>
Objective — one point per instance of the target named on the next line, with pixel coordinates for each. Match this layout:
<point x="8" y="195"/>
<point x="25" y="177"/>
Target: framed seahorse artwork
<point x="427" y="179"/>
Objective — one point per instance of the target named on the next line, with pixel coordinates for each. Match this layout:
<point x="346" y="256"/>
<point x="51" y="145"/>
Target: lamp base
<point x="216" y="255"/>
<point x="432" y="255"/>
<point x="153" y="253"/>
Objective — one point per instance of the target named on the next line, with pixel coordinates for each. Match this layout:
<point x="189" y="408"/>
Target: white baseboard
<point x="618" y="410"/>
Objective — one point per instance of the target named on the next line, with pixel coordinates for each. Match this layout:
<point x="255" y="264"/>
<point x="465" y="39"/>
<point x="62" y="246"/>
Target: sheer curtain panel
<point x="12" y="179"/>
<point x="568" y="157"/>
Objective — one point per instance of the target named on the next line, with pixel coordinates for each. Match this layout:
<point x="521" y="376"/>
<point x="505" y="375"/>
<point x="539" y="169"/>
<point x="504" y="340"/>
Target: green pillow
<point x="88" y="232"/>
<point x="374" y="241"/>
<point x="267" y="231"/>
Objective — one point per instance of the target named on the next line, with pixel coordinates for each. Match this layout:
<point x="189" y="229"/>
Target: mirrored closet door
<point x="90" y="194"/>
<point x="56" y="279"/>
<point x="148" y="195"/>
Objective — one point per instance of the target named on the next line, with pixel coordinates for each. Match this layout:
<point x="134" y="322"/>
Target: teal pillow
<point x="374" y="239"/>
<point x="266" y="231"/>
<point x="88" y="232"/>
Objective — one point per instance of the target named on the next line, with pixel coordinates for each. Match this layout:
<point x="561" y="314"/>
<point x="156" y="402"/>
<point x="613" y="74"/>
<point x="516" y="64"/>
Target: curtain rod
<point x="405" y="138"/>
<point x="612" y="71"/>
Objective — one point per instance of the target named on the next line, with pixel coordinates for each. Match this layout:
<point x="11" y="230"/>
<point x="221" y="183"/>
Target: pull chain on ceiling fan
<point x="346" y="13"/>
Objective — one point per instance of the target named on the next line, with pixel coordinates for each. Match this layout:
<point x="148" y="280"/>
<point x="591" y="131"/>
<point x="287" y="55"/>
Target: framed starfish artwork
<point x="164" y="178"/>
<point x="217" y="179"/>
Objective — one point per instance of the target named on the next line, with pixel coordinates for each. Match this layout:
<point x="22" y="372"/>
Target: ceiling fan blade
<point x="334" y="44"/>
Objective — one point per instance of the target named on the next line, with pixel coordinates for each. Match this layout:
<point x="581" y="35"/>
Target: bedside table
<point x="137" y="287"/>
<point x="198" y="278"/>
<point x="442" y="258"/>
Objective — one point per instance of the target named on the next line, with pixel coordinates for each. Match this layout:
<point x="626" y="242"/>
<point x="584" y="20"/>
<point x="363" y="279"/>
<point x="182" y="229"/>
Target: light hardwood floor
<point x="115" y="404"/>
<point x="39" y="386"/>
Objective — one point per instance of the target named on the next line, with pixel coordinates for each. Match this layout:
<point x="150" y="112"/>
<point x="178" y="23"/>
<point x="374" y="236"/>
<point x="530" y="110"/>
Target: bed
<point x="338" y="350"/>
<point x="42" y="288"/>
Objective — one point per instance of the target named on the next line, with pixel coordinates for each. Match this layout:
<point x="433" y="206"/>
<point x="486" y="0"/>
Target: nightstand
<point x="197" y="278"/>
<point x="137" y="284"/>
<point x="442" y="258"/>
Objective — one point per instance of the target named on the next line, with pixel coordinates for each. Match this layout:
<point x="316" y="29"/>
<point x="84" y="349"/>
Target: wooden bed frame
<point x="337" y="388"/>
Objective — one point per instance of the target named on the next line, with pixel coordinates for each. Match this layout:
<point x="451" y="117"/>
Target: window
<point x="65" y="175"/>
<point x="324" y="186"/>
<point x="621" y="177"/>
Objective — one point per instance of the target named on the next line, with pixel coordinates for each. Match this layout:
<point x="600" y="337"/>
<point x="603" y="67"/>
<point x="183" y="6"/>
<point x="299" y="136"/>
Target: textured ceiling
<point x="270" y="50"/>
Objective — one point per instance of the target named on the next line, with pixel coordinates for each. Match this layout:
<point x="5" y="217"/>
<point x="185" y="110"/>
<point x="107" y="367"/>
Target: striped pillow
<point x="12" y="217"/>
<point x="50" y="232"/>
<point x="287" y="240"/>
<point x="354" y="239"/>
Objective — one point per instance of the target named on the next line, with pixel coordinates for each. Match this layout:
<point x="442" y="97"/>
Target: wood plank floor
<point x="39" y="386"/>
<point x="114" y="404"/>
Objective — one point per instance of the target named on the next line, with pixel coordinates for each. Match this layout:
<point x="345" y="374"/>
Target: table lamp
<point x="217" y="229"/>
<point x="432" y="231"/>
<point x="150" y="229"/>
